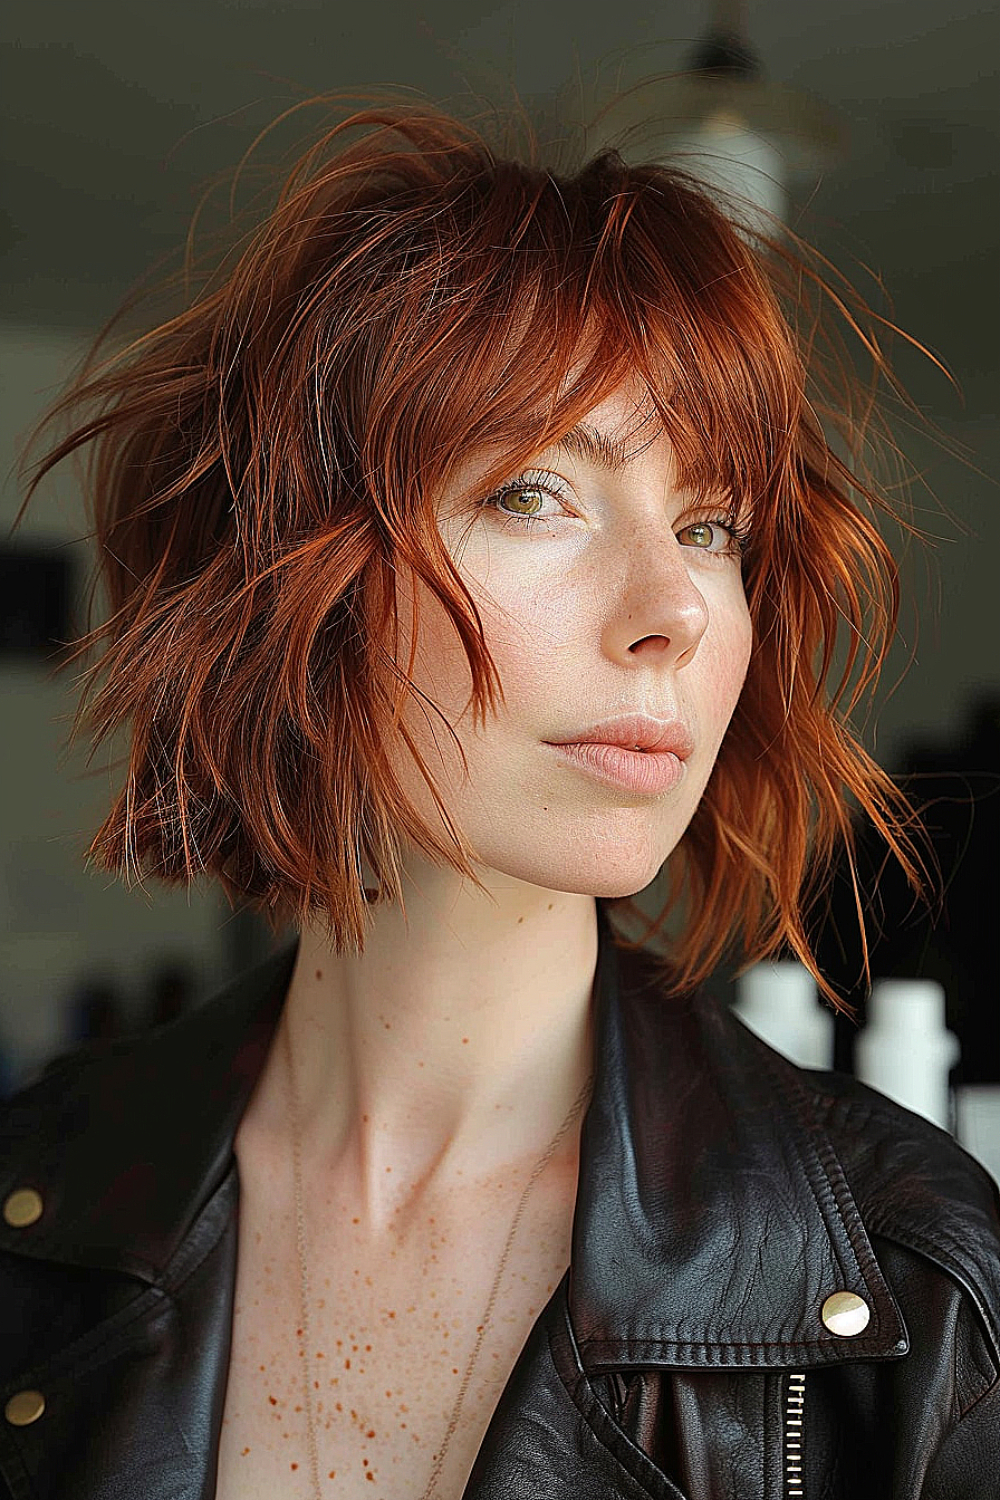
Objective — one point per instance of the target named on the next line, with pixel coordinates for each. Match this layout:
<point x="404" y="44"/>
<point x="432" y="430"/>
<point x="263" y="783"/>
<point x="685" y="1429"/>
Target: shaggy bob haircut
<point x="263" y="463"/>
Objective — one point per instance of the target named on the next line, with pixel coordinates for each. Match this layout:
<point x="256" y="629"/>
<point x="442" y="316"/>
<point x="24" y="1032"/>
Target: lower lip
<point x="637" y="771"/>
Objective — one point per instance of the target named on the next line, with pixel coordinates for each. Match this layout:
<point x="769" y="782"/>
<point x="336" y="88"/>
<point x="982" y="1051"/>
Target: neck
<point x="450" y="1051"/>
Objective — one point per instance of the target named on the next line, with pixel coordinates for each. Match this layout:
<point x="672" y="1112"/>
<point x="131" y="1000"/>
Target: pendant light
<point x="747" y="138"/>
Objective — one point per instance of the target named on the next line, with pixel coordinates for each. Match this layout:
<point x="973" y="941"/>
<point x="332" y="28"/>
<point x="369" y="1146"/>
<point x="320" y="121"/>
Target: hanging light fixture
<point x="721" y="119"/>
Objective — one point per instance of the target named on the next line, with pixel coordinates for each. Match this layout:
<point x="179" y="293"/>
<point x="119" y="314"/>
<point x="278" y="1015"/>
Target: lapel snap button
<point x="24" y="1408"/>
<point x="845" y="1314"/>
<point x="22" y="1208"/>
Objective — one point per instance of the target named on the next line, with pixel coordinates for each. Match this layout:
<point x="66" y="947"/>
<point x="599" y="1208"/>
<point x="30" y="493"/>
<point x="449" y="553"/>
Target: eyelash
<point x="739" y="531"/>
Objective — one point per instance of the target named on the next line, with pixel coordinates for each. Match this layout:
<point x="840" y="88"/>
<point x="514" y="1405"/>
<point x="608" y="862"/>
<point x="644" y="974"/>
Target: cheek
<point x="726" y="648"/>
<point x="524" y="633"/>
<point x="741" y="640"/>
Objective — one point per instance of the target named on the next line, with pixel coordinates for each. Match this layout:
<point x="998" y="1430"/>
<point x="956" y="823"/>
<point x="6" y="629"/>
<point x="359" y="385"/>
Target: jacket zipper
<point x="795" y="1400"/>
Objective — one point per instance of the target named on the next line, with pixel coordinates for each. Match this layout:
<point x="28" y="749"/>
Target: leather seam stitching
<point x="631" y="1455"/>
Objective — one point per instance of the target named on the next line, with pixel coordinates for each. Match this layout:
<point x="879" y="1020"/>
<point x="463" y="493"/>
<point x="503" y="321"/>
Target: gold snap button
<point x="845" y="1314"/>
<point x="22" y="1208"/>
<point x="24" y="1408"/>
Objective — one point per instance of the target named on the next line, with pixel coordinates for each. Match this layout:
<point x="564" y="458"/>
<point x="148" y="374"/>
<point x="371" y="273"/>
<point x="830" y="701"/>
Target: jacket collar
<point x="712" y="1218"/>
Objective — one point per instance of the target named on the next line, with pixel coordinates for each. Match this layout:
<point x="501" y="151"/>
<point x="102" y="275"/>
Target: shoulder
<point x="213" y="1045"/>
<point x="746" y="1106"/>
<point x="913" y="1184"/>
<point x="905" y="1170"/>
<point x="121" y="1143"/>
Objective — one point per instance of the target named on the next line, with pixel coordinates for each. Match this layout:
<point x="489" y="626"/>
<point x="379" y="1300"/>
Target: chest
<point x="407" y="1342"/>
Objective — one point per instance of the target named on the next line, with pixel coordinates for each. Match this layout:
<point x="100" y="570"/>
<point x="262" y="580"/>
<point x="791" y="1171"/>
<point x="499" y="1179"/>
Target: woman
<point x="462" y="1192"/>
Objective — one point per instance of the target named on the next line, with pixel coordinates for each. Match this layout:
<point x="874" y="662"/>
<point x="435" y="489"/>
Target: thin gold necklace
<point x="300" y="1240"/>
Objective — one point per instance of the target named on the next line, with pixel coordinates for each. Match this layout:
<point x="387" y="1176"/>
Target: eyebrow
<point x="595" y="447"/>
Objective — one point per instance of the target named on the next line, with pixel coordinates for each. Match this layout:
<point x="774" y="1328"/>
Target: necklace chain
<point x="304" y="1293"/>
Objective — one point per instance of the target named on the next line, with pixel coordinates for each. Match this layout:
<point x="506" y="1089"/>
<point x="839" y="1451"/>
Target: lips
<point x="634" y="731"/>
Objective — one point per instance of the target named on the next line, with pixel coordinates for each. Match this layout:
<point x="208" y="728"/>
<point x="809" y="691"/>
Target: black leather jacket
<point x="724" y="1195"/>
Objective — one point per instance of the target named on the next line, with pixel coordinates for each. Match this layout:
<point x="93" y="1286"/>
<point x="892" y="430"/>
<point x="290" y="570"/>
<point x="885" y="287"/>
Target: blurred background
<point x="869" y="126"/>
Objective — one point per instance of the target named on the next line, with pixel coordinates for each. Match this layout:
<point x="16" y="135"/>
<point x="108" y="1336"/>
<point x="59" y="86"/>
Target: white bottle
<point x="778" y="1002"/>
<point x="905" y="1050"/>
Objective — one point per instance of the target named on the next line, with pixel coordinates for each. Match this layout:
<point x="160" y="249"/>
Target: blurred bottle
<point x="905" y="1050"/>
<point x="778" y="1002"/>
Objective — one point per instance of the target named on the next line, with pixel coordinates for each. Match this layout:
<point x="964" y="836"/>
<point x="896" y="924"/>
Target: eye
<point x="737" y="535"/>
<point x="524" y="489"/>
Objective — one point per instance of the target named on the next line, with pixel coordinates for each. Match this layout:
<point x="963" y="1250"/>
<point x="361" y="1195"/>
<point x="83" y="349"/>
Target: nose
<point x="661" y="610"/>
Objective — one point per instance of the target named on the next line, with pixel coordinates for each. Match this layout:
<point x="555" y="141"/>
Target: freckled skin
<point x="423" y="1113"/>
<point x="386" y="1416"/>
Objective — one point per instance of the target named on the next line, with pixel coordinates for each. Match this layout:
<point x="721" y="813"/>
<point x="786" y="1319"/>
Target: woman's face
<point x="618" y="599"/>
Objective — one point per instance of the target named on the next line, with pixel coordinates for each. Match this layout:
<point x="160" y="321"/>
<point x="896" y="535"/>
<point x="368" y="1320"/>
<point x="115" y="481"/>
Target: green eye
<point x="524" y="485"/>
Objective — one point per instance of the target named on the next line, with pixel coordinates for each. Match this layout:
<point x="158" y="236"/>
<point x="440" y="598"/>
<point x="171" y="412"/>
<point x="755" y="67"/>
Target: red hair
<point x="264" y="461"/>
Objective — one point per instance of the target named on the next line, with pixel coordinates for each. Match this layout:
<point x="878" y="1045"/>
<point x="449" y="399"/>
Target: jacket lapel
<point x="713" y="1218"/>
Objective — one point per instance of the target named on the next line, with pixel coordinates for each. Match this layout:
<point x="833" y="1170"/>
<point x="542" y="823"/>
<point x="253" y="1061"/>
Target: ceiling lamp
<point x="746" y="138"/>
